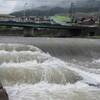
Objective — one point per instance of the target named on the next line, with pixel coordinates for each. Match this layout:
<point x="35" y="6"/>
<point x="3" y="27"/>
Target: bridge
<point x="28" y="27"/>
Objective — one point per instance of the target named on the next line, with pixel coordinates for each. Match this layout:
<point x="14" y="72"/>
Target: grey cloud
<point x="15" y="5"/>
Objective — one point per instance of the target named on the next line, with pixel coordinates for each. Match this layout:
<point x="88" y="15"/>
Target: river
<point x="50" y="68"/>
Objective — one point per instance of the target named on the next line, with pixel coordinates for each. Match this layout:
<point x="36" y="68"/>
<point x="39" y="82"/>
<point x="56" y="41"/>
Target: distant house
<point x="6" y="17"/>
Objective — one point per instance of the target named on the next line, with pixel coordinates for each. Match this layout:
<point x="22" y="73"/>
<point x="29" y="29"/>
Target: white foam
<point x="22" y="56"/>
<point x="19" y="47"/>
<point x="96" y="61"/>
<point x="90" y="78"/>
<point x="46" y="91"/>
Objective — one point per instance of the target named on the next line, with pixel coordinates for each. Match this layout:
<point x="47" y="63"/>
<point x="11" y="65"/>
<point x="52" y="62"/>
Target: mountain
<point x="43" y="8"/>
<point x="42" y="11"/>
<point x="79" y="6"/>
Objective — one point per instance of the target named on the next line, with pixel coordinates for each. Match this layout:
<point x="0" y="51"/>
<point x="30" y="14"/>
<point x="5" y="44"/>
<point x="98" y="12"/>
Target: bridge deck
<point x="38" y="25"/>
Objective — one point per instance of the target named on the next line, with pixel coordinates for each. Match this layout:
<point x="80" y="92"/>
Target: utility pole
<point x="24" y="11"/>
<point x="51" y="11"/>
<point x="73" y="9"/>
<point x="67" y="13"/>
<point x="99" y="17"/>
<point x="72" y="13"/>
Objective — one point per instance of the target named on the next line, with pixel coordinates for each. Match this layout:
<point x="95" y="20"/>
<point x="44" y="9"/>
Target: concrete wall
<point x="13" y="32"/>
<point x="54" y="32"/>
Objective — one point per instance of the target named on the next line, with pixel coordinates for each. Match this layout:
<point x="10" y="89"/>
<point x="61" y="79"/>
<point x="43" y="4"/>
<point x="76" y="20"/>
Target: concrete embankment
<point x="3" y="93"/>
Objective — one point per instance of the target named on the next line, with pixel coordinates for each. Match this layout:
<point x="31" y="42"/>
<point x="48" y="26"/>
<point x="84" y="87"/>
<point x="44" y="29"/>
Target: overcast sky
<point x="8" y="6"/>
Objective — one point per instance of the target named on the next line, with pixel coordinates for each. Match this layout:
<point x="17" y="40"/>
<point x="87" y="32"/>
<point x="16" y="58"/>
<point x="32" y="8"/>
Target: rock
<point x="1" y="87"/>
<point x="3" y="93"/>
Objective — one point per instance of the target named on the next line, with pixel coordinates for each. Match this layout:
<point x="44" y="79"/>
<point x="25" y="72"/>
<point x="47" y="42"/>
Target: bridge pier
<point x="89" y="31"/>
<point x="29" y="32"/>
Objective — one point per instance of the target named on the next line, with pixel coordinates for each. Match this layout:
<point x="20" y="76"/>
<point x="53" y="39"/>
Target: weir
<point x="64" y="48"/>
<point x="68" y="65"/>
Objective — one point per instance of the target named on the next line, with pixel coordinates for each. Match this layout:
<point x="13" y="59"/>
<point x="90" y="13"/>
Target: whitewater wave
<point x="46" y="91"/>
<point x="28" y="73"/>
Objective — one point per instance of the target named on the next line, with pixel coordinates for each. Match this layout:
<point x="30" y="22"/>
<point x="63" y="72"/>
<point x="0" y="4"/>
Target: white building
<point x="5" y="17"/>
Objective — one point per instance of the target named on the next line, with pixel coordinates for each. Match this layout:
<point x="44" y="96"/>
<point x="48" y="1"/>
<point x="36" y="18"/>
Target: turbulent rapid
<point x="28" y="73"/>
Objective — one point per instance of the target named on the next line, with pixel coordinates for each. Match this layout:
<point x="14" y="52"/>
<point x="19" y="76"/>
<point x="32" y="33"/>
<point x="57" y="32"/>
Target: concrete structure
<point x="28" y="31"/>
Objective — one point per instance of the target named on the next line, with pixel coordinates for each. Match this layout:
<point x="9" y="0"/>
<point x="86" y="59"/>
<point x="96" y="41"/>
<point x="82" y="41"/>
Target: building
<point x="6" y="17"/>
